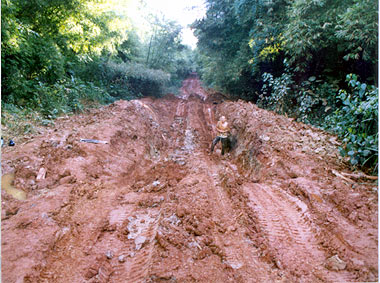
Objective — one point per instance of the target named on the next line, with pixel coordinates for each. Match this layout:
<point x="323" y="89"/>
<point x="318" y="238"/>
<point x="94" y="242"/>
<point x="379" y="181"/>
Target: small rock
<point x="236" y="265"/>
<point x="122" y="258"/>
<point x="139" y="242"/>
<point x="41" y="174"/>
<point x="335" y="263"/>
<point x="156" y="183"/>
<point x="109" y="254"/>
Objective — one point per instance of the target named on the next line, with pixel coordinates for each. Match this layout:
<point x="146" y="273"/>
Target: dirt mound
<point x="151" y="204"/>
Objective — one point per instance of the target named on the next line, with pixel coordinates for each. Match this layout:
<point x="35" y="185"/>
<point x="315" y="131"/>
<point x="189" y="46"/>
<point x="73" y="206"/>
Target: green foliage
<point x="315" y="99"/>
<point x="163" y="44"/>
<point x="126" y="80"/>
<point x="66" y="97"/>
<point x="357" y="26"/>
<point x="223" y="47"/>
<point x="130" y="49"/>
<point x="240" y="40"/>
<point x="311" y="30"/>
<point x="279" y="89"/>
<point x="356" y="122"/>
<point x="38" y="41"/>
<point x="164" y="50"/>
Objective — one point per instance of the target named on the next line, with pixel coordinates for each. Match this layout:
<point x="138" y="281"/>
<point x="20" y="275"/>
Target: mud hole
<point x="153" y="205"/>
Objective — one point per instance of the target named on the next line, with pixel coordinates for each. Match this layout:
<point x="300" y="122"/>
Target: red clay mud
<point x="153" y="205"/>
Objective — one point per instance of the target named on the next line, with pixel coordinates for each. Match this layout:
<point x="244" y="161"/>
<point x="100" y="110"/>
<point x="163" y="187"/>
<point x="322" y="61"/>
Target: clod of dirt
<point x="335" y="263"/>
<point x="91" y="272"/>
<point x="67" y="180"/>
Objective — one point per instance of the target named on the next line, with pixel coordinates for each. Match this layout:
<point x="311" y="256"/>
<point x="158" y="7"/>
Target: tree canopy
<point x="293" y="57"/>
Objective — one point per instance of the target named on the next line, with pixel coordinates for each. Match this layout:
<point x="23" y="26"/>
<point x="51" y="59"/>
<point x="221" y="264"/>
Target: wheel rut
<point x="291" y="240"/>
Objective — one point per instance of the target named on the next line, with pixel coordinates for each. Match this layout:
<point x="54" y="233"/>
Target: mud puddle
<point x="7" y="186"/>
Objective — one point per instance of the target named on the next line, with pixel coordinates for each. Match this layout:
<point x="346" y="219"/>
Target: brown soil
<point x="153" y="205"/>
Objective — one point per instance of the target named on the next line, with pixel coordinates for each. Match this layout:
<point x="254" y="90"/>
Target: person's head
<point x="222" y="119"/>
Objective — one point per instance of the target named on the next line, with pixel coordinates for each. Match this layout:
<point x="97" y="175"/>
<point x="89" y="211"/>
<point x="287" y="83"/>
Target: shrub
<point x="66" y="96"/>
<point x="279" y="90"/>
<point x="356" y="122"/>
<point x="315" y="99"/>
<point x="126" y="80"/>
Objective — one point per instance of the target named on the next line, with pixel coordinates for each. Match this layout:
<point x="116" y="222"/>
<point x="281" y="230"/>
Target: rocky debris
<point x="335" y="263"/>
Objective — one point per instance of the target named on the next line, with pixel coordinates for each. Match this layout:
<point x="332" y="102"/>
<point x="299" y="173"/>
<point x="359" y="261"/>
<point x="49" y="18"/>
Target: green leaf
<point x="366" y="152"/>
<point x="351" y="153"/>
<point x="354" y="161"/>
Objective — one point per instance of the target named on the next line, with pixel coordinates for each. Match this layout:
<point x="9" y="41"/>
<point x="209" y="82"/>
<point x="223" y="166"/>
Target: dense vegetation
<point x="315" y="60"/>
<point x="59" y="56"/>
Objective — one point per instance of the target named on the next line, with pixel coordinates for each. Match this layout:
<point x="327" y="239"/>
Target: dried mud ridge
<point x="153" y="205"/>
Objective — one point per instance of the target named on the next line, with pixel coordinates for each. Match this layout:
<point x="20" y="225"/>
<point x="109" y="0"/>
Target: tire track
<point x="139" y="268"/>
<point x="139" y="230"/>
<point x="182" y="145"/>
<point x="241" y="256"/>
<point x="290" y="238"/>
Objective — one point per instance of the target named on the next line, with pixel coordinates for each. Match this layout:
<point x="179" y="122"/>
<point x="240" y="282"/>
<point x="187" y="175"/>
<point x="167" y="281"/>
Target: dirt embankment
<point x="152" y="205"/>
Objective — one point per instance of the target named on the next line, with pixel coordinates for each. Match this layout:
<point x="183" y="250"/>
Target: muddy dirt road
<point x="152" y="205"/>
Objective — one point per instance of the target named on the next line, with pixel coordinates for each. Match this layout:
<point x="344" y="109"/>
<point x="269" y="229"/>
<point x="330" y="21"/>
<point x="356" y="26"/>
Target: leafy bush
<point x="353" y="114"/>
<point x="356" y="122"/>
<point x="65" y="97"/>
<point x="315" y="99"/>
<point x="279" y="90"/>
<point x="127" y="80"/>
